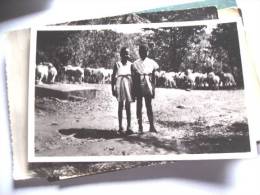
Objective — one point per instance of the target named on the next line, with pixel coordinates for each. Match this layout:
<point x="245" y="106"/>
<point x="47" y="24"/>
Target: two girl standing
<point x="132" y="81"/>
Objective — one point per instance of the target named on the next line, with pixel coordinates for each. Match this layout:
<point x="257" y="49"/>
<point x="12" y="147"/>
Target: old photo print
<point x="183" y="99"/>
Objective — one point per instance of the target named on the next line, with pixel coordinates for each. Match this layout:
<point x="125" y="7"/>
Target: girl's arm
<point x="113" y="80"/>
<point x="156" y="67"/>
<point x="134" y="78"/>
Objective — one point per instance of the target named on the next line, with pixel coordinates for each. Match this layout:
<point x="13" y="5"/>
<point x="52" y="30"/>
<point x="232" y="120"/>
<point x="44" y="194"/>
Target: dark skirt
<point x="143" y="85"/>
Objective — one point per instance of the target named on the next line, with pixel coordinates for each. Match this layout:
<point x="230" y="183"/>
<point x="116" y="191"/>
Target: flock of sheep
<point x="46" y="72"/>
<point x="195" y="80"/>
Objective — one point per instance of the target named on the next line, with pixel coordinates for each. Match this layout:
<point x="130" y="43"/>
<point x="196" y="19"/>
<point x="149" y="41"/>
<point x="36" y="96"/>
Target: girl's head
<point x="124" y="53"/>
<point x="143" y="51"/>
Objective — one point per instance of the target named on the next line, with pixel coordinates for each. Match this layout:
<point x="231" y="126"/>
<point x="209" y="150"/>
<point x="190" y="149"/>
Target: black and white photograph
<point x="134" y="92"/>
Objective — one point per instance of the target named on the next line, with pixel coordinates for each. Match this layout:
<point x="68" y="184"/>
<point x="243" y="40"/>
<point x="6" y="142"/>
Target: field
<point x="190" y="122"/>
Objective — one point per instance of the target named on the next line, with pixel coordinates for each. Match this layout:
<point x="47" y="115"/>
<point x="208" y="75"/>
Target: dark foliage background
<point x="200" y="48"/>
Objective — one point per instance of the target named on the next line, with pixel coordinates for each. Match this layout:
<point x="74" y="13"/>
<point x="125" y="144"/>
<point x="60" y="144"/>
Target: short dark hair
<point x="123" y="50"/>
<point x="143" y="47"/>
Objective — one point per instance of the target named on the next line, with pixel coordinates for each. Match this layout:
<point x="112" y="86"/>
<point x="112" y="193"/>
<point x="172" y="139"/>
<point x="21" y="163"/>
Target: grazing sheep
<point x="226" y="80"/>
<point x="45" y="71"/>
<point x="213" y="80"/>
<point x="74" y="73"/>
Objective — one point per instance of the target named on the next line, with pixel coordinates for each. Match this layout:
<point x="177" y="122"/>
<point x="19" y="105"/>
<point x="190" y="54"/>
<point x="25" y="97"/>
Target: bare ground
<point x="187" y="122"/>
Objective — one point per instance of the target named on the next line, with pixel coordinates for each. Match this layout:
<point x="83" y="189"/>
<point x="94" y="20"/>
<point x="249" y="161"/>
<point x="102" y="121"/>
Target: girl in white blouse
<point x="122" y="87"/>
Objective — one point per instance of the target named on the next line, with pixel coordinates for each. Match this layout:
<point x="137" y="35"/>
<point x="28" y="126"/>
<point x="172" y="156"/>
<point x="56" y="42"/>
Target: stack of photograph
<point x="139" y="89"/>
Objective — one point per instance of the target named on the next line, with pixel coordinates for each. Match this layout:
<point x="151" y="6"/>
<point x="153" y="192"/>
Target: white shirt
<point x="146" y="66"/>
<point x="123" y="69"/>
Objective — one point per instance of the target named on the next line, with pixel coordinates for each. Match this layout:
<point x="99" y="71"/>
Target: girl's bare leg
<point x="139" y="106"/>
<point x="128" y="115"/>
<point x="120" y="115"/>
<point x="149" y="109"/>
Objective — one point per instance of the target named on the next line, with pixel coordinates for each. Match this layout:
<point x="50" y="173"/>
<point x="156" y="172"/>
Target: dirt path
<point x="187" y="122"/>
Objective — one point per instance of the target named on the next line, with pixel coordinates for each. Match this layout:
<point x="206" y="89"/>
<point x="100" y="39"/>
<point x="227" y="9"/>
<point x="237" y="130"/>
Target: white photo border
<point x="246" y="67"/>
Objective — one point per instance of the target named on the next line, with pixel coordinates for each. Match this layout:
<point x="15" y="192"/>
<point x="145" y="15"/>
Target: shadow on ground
<point x="90" y="133"/>
<point x="148" y="140"/>
<point x="230" y="139"/>
<point x="218" y="138"/>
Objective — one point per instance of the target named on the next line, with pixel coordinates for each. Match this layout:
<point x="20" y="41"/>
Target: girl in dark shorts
<point x="143" y="73"/>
